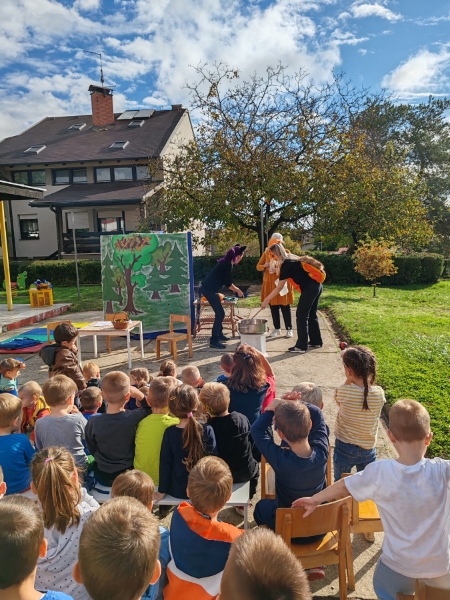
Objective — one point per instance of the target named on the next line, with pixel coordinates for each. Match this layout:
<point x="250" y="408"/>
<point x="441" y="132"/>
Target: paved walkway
<point x="323" y="367"/>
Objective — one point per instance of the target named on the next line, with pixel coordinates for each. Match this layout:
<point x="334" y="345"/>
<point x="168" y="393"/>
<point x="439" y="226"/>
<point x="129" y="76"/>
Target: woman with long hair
<point x="282" y="301"/>
<point x="306" y="275"/>
<point x="221" y="276"/>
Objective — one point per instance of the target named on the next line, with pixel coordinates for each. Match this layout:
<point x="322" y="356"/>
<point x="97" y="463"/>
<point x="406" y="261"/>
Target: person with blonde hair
<point x="306" y="274"/>
<point x="34" y="407"/>
<point x="66" y="507"/>
<point x="283" y="300"/>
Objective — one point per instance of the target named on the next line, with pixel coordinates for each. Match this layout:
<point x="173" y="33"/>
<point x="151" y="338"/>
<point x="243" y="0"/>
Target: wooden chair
<point x="333" y="520"/>
<point x="173" y="337"/>
<point x="110" y="317"/>
<point x="425" y="591"/>
<point x="51" y="327"/>
<point x="365" y="517"/>
<point x="268" y="478"/>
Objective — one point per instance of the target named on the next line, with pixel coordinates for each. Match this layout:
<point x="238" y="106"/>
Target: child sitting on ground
<point x="412" y="496"/>
<point x="283" y="575"/>
<point x="66" y="507"/>
<point x="62" y="427"/>
<point x="299" y="469"/>
<point x="21" y="544"/>
<point x="3" y="486"/>
<point x="91" y="402"/>
<point x="191" y="376"/>
<point x="110" y="437"/>
<point x="139" y="485"/>
<point x="139" y="378"/>
<point x="16" y="451"/>
<point x="307" y="392"/>
<point x="232" y="433"/>
<point x="168" y="369"/>
<point x="9" y="370"/>
<point x="360" y="403"/>
<point x="183" y="445"/>
<point x="199" y="542"/>
<point x="118" y="553"/>
<point x="151" y="430"/>
<point x="226" y="364"/>
<point x="62" y="357"/>
<point x="91" y="373"/>
<point x="34" y="407"/>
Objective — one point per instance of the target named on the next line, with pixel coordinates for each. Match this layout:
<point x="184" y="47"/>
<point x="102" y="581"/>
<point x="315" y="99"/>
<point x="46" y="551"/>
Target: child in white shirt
<point x="412" y="494"/>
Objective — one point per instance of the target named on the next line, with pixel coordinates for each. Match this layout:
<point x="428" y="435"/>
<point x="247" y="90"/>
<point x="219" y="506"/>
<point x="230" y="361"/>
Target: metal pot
<point x="252" y="326"/>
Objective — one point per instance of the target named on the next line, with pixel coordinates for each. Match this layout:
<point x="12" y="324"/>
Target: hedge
<point x="412" y="268"/>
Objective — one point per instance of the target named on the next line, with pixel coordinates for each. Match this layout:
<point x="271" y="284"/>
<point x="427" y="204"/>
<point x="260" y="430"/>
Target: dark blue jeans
<point x="307" y="321"/>
<point x="347" y="456"/>
<point x="216" y="305"/>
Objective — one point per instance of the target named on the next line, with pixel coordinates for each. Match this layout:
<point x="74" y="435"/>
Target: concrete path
<point x="323" y="367"/>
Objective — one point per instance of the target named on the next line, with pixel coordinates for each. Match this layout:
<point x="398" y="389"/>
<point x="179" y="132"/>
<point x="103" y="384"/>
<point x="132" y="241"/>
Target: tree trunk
<point x="130" y="307"/>
<point x="174" y="289"/>
<point x="155" y="296"/>
<point x="109" y="308"/>
<point x="374" y="289"/>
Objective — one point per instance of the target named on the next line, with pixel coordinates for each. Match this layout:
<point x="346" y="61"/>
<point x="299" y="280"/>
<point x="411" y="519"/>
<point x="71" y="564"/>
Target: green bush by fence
<point x="412" y="268"/>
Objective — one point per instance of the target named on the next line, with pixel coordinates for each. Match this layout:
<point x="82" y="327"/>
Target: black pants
<point x="216" y="305"/>
<point x="285" y="311"/>
<point x="307" y="321"/>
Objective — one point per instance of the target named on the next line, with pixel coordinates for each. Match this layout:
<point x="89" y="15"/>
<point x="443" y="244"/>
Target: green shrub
<point x="432" y="268"/>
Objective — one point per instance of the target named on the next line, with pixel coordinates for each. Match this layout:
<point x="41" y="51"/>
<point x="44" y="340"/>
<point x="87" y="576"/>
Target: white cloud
<point x="360" y="11"/>
<point x="362" y="51"/>
<point x="87" y="4"/>
<point x="422" y="74"/>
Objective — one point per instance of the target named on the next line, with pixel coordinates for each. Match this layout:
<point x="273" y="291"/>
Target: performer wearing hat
<point x="282" y="301"/>
<point x="221" y="276"/>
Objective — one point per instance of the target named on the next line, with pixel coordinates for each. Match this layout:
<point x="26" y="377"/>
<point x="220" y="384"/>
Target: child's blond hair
<point x="293" y="420"/>
<point x="10" y="409"/>
<point x="409" y="421"/>
<point x="91" y="370"/>
<point x="58" y="390"/>
<point x="90" y="398"/>
<point x="311" y="393"/>
<point x="190" y="376"/>
<point x="160" y="390"/>
<point x="167" y="369"/>
<point x="215" y="397"/>
<point x="210" y="485"/>
<point x="282" y="577"/>
<point x="32" y="388"/>
<point x="9" y="364"/>
<point x="119" y="534"/>
<point x="115" y="387"/>
<point x="135" y="484"/>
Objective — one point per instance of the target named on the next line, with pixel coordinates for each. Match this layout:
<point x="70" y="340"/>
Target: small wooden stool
<point x="173" y="337"/>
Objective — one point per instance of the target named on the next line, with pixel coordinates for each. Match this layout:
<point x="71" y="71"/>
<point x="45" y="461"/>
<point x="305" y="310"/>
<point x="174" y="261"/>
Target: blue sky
<point x="148" y="45"/>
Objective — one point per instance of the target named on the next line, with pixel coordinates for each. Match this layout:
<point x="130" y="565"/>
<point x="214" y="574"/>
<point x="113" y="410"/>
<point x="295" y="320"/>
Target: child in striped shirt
<point x="360" y="403"/>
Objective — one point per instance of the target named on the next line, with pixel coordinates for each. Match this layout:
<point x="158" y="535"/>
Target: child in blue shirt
<point x="226" y="364"/>
<point x="9" y="370"/>
<point x="139" y="485"/>
<point x="16" y="450"/>
<point x="21" y="544"/>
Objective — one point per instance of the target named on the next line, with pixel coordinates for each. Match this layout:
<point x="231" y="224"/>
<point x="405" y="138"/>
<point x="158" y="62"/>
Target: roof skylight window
<point x="35" y="149"/>
<point x="136" y="124"/>
<point x="77" y="126"/>
<point x="119" y="145"/>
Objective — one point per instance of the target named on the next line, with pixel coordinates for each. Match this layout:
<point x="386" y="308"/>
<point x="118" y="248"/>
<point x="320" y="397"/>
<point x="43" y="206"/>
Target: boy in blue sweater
<point x="299" y="468"/>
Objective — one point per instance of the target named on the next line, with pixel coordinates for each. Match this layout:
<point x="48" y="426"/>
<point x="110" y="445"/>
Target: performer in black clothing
<point x="306" y="275"/>
<point x="221" y="276"/>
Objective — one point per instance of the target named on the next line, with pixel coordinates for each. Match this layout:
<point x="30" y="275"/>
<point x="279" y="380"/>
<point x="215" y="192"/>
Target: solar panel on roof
<point x="144" y="114"/>
<point x="127" y="115"/>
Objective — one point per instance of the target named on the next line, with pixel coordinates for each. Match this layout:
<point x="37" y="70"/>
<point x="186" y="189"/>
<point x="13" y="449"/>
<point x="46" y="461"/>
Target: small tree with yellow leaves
<point x="374" y="259"/>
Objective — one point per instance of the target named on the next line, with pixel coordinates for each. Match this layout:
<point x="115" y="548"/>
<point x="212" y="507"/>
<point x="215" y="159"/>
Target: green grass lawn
<point x="91" y="297"/>
<point x="408" y="328"/>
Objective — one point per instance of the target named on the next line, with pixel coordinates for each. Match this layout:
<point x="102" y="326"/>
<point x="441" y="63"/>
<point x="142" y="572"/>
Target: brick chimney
<point x="102" y="106"/>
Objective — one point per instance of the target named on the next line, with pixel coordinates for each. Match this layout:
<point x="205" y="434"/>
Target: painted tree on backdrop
<point x="108" y="285"/>
<point x="374" y="259"/>
<point x="119" y="281"/>
<point x="178" y="271"/>
<point x="134" y="252"/>
<point x="157" y="281"/>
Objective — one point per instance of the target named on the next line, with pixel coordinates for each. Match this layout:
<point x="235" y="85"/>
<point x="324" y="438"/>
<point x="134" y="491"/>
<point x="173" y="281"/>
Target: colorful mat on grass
<point x="37" y="338"/>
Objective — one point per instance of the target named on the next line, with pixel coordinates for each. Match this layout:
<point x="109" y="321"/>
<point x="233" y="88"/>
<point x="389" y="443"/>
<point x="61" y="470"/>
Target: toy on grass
<point x="343" y="345"/>
<point x="41" y="284"/>
<point x="20" y="284"/>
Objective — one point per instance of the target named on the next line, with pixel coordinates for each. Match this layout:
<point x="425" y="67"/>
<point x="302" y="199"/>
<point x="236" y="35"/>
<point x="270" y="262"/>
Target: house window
<point x="81" y="220"/>
<point x="69" y="176"/>
<point x="111" y="225"/>
<point x="142" y="172"/>
<point x="29" y="177"/>
<point x="102" y="174"/>
<point x="35" y="149"/>
<point x="29" y="227"/>
<point x="123" y="173"/>
<point x="119" y="145"/>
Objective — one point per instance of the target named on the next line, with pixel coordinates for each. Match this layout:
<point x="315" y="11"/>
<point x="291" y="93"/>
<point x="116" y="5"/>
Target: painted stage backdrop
<point x="149" y="276"/>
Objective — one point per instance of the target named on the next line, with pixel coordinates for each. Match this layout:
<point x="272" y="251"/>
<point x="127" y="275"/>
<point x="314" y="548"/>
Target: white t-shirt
<point x="54" y="572"/>
<point x="414" y="505"/>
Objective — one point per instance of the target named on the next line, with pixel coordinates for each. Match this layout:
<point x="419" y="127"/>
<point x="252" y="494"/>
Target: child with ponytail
<point x="65" y="506"/>
<point x="360" y="403"/>
<point x="184" y="444"/>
